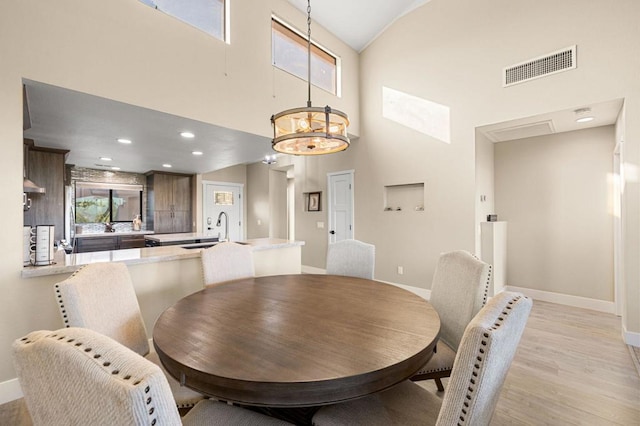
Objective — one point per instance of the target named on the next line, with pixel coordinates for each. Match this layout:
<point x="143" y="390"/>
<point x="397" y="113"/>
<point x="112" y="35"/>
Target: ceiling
<point x="89" y="126"/>
<point x="603" y="113"/>
<point x="370" y="17"/>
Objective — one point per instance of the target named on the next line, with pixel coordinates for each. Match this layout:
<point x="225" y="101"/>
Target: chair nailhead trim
<point x="471" y="389"/>
<point x="486" y="286"/>
<point x="87" y="350"/>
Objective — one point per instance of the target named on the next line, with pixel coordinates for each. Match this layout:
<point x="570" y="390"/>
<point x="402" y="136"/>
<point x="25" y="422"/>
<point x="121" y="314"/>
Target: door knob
<point x="332" y="232"/>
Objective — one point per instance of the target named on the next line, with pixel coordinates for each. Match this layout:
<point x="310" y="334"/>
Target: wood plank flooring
<point x="571" y="368"/>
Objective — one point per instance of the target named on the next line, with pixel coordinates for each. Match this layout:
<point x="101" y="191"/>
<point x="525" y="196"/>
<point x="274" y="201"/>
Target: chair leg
<point x="439" y="384"/>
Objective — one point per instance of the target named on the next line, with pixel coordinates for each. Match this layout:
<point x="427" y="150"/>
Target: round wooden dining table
<point x="296" y="340"/>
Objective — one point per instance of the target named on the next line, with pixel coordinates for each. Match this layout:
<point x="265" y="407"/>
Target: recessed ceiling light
<point x="197" y="152"/>
<point x="105" y="159"/>
<point x="582" y="115"/>
<point x="115" y="168"/>
<point x="127" y="141"/>
<point x="187" y="135"/>
<point x="168" y="166"/>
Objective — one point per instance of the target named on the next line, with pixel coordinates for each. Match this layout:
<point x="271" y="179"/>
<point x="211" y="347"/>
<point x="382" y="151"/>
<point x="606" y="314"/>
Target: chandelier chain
<point x="309" y="52"/>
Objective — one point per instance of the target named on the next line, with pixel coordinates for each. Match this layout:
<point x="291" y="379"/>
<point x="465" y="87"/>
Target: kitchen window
<point x="210" y="16"/>
<point x="289" y="53"/>
<point x="104" y="202"/>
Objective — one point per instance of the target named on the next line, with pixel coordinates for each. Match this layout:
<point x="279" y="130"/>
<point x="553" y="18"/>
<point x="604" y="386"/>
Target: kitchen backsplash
<point x="97" y="228"/>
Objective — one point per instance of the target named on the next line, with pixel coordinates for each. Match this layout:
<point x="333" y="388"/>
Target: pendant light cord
<point x="309" y="52"/>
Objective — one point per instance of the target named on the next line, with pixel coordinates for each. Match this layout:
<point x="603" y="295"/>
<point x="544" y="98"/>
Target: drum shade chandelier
<point x="310" y="130"/>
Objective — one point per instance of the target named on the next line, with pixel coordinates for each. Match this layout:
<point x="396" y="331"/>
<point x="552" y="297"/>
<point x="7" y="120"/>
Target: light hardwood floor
<point x="571" y="368"/>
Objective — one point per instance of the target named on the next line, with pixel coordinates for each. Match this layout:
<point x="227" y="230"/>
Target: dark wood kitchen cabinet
<point x="46" y="168"/>
<point x="107" y="242"/>
<point x="169" y="202"/>
<point x="102" y="243"/>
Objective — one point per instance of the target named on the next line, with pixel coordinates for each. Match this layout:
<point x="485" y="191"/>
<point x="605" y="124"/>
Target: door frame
<point x="240" y="187"/>
<point x="351" y="174"/>
<point x="618" y="235"/>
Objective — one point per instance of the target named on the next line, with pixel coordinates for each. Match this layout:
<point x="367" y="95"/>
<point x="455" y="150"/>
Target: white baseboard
<point x="312" y="270"/>
<point x="565" y="299"/>
<point x="422" y="292"/>
<point x="630" y="337"/>
<point x="10" y="391"/>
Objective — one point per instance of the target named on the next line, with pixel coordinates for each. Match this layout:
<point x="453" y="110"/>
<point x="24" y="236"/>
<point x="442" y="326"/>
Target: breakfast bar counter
<point x="266" y="251"/>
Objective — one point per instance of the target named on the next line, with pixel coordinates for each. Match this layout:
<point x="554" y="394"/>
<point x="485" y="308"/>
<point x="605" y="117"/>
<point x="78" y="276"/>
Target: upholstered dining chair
<point x="77" y="376"/>
<point x="351" y="258"/>
<point x="458" y="291"/>
<point x="227" y="261"/>
<point x="100" y="296"/>
<point x="482" y="362"/>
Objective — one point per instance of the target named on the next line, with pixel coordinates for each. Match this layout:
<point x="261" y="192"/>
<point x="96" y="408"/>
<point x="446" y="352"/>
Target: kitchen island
<point x="271" y="257"/>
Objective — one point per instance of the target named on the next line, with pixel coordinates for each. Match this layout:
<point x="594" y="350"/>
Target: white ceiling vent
<point x="552" y="63"/>
<point x="526" y="130"/>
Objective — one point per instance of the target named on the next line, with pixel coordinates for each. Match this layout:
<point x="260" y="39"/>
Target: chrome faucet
<point x="226" y="225"/>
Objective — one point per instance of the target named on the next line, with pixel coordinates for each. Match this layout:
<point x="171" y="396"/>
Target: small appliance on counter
<point x="41" y="249"/>
<point x="26" y="243"/>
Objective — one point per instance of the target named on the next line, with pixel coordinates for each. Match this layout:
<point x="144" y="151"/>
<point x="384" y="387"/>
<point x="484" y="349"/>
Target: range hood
<point x="27" y="184"/>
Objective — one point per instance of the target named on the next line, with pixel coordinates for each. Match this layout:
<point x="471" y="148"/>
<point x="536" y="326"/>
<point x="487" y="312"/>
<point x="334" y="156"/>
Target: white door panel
<point x="340" y="206"/>
<point x="218" y="198"/>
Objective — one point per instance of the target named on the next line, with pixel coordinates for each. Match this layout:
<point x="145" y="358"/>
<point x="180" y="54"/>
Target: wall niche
<point x="404" y="197"/>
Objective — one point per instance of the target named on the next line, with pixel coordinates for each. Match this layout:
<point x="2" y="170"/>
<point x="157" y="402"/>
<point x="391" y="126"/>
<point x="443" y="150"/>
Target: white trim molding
<point x="566" y="299"/>
<point x="10" y="390"/>
<point x="312" y="270"/>
<point x="630" y="337"/>
<point x="422" y="292"/>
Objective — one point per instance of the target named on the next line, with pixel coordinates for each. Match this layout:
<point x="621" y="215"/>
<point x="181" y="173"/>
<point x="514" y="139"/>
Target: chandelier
<point x="310" y="130"/>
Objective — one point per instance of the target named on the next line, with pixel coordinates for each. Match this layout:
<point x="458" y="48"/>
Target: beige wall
<point x="258" y="210"/>
<point x="452" y="52"/>
<point x="484" y="183"/>
<point x="555" y="192"/>
<point x="126" y="51"/>
<point x="277" y="203"/>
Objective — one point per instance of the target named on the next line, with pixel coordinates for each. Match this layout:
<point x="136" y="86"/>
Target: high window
<point x="103" y="202"/>
<point x="289" y="53"/>
<point x="211" y="16"/>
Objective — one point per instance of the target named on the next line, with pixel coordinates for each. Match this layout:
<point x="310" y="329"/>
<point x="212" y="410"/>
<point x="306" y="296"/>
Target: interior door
<point x="219" y="198"/>
<point x="340" y="206"/>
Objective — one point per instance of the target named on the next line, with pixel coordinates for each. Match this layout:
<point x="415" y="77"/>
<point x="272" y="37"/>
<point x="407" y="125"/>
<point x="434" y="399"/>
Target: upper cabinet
<point x="169" y="202"/>
<point x="46" y="166"/>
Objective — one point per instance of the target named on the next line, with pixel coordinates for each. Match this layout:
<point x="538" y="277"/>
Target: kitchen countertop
<point x="112" y="234"/>
<point x="68" y="263"/>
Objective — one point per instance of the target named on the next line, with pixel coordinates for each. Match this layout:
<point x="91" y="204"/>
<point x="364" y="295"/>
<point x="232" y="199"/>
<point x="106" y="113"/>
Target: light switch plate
<point x="320" y="225"/>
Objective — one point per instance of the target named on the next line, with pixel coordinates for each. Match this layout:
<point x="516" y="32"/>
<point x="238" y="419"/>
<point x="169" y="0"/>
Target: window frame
<point x="110" y="188"/>
<point x="317" y="49"/>
<point x="225" y="31"/>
